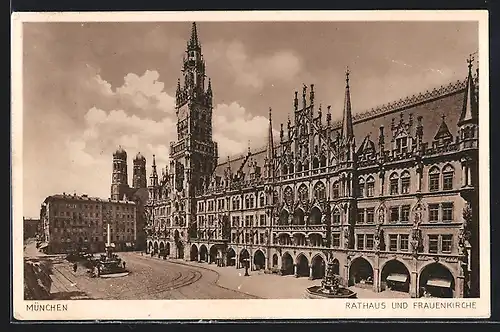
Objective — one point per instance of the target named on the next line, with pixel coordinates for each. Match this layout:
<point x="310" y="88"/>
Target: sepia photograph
<point x="199" y="156"/>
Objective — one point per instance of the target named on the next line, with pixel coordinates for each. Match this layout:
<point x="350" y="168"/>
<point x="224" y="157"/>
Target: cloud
<point x="106" y="129"/>
<point x="235" y="127"/>
<point x="139" y="116"/>
<point x="138" y="94"/>
<point x="146" y="91"/>
<point x="253" y="72"/>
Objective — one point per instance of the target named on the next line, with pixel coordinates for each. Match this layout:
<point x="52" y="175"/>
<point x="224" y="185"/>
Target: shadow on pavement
<point x="73" y="295"/>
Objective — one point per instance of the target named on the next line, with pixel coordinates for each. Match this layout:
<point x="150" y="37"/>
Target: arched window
<point x="283" y="217"/>
<point x="336" y="190"/>
<point x="315" y="163"/>
<point x="448" y="174"/>
<point x="315" y="216"/>
<point x="290" y="168"/>
<point x="394" y="183"/>
<point x="336" y="216"/>
<point x="361" y="187"/>
<point x="319" y="191"/>
<point x="306" y="165"/>
<point x="288" y="195"/>
<point x="322" y="162"/>
<point x="370" y="186"/>
<point x="434" y="175"/>
<point x="252" y="202"/>
<point x="285" y="170"/>
<point x="405" y="182"/>
<point x="247" y="202"/>
<point x="303" y="193"/>
<point x="299" y="166"/>
<point x="261" y="200"/>
<point x="298" y="217"/>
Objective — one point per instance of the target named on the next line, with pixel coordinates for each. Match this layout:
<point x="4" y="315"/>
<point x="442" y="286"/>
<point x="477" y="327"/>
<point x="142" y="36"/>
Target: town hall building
<point x="390" y="196"/>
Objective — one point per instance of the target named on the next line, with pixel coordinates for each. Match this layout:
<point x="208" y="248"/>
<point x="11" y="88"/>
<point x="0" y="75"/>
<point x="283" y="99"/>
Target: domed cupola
<point x="120" y="153"/>
<point x="139" y="157"/>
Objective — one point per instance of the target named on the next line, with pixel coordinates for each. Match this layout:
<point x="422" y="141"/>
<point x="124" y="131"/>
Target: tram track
<point x="146" y="289"/>
<point x="164" y="284"/>
<point x="180" y="280"/>
<point x="211" y="292"/>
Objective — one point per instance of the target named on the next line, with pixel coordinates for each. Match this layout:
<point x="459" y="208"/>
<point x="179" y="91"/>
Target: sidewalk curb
<point x="208" y="269"/>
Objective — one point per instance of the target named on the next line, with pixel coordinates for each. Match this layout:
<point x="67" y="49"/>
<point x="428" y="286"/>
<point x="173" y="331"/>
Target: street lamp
<point x="247" y="264"/>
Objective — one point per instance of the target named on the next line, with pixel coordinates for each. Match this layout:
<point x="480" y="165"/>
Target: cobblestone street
<point x="153" y="278"/>
<point x="272" y="286"/>
<point x="148" y="280"/>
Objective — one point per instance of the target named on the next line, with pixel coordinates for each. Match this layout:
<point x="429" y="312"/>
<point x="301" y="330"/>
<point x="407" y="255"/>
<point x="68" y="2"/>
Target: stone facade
<point x="31" y="227"/>
<point x="390" y="195"/>
<point x="72" y="222"/>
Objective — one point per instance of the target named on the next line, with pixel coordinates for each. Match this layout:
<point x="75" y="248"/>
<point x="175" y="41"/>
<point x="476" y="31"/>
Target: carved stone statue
<point x="464" y="231"/>
<point x="416" y="240"/>
<point x="381" y="215"/>
<point x="347" y="237"/>
<point x="462" y="242"/>
<point x="417" y="215"/>
<point x="377" y="238"/>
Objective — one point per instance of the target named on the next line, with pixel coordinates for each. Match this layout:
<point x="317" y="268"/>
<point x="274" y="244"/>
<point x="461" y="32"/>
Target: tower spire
<point x="193" y="42"/>
<point x="270" y="148"/>
<point x="347" y="131"/>
<point x="209" y="88"/>
<point x="469" y="107"/>
<point x="154" y="174"/>
<point x="270" y="142"/>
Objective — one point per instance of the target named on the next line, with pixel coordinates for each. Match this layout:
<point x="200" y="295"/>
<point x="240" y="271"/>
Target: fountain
<point x="110" y="265"/>
<point x="330" y="287"/>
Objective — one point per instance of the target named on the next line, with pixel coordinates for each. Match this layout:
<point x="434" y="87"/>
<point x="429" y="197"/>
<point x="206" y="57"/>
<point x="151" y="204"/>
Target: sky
<point x="90" y="87"/>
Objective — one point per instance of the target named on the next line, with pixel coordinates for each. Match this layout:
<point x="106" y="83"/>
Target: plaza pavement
<point x="155" y="278"/>
<point x="271" y="286"/>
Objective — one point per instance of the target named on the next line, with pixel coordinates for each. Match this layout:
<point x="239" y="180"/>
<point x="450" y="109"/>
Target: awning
<point x="398" y="277"/>
<point x="439" y="283"/>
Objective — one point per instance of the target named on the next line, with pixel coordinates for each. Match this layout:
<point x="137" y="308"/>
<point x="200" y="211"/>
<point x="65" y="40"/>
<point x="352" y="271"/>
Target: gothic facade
<point x="389" y="195"/>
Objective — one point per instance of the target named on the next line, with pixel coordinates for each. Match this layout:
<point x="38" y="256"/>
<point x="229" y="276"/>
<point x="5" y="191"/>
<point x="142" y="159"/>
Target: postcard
<point x="250" y="165"/>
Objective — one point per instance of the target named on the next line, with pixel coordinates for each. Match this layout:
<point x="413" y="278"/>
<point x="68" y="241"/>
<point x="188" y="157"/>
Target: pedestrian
<point x="75" y="267"/>
<point x="123" y="264"/>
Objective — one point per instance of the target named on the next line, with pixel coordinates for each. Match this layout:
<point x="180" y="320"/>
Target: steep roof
<point x="443" y="131"/>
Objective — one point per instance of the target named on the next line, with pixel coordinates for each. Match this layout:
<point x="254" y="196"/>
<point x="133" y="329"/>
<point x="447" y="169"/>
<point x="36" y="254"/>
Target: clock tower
<point x="194" y="155"/>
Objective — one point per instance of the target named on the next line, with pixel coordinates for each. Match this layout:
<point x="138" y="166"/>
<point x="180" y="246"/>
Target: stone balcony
<point x="301" y="228"/>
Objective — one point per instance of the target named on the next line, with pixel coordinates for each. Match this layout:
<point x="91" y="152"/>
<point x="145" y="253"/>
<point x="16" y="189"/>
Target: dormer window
<point x="402" y="144"/>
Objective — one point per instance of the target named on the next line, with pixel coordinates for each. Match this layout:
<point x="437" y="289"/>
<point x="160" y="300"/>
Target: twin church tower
<point x="120" y="189"/>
